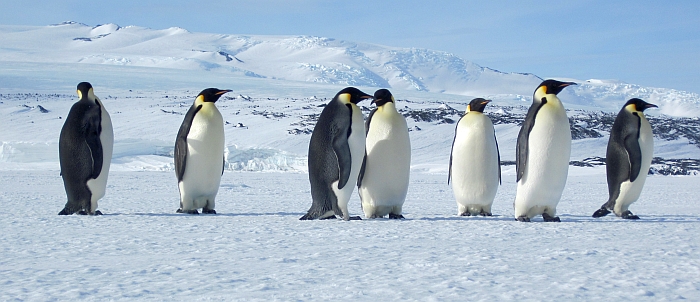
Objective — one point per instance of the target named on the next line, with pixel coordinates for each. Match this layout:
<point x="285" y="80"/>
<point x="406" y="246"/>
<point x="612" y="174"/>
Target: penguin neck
<point x="552" y="99"/>
<point x="632" y="110"/>
<point x="387" y="107"/>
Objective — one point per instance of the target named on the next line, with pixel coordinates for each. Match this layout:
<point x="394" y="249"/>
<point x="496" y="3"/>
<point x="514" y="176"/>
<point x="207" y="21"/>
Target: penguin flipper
<point x="634" y="153"/>
<point x="342" y="152"/>
<point x="91" y="131"/>
<point x="498" y="152"/>
<point x="449" y="172"/>
<point x="364" y="159"/>
<point x="362" y="170"/>
<point x="180" y="156"/>
<point x="341" y="148"/>
<point x="523" y="137"/>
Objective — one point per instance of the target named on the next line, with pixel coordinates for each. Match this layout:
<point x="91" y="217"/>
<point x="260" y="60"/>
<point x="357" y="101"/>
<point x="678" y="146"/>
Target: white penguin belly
<point x="474" y="164"/>
<point x="547" y="167"/>
<point x="98" y="185"/>
<point x="356" y="141"/>
<point x="388" y="166"/>
<point x="205" y="155"/>
<point x="630" y="191"/>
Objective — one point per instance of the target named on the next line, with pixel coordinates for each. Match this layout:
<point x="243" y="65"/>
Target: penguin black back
<point x="330" y="157"/>
<point x="80" y="149"/>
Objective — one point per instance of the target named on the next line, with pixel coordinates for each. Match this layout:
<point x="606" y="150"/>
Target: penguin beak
<point x="374" y="101"/>
<point x="647" y="106"/>
<point x="223" y="91"/>
<point x="565" y="84"/>
<point x="484" y="102"/>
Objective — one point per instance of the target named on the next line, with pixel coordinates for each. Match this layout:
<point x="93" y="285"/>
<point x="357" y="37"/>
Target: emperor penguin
<point x="628" y="157"/>
<point x="85" y="152"/>
<point x="336" y="150"/>
<point x="199" y="154"/>
<point x="475" y="162"/>
<point x="383" y="179"/>
<point x="542" y="154"/>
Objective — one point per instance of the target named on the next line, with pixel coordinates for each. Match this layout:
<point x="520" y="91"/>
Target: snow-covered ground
<point x="256" y="248"/>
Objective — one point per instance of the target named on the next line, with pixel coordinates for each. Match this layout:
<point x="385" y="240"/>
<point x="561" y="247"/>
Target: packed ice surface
<point x="257" y="249"/>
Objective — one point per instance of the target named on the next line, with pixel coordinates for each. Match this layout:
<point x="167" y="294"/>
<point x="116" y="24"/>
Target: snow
<point x="256" y="248"/>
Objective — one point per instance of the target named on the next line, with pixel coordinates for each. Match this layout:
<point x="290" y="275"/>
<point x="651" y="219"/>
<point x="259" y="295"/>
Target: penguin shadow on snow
<point x="642" y="219"/>
<point x="468" y="218"/>
<point x="200" y="215"/>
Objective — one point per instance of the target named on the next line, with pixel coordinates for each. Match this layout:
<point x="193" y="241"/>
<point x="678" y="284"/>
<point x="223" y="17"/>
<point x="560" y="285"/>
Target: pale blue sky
<point x="651" y="43"/>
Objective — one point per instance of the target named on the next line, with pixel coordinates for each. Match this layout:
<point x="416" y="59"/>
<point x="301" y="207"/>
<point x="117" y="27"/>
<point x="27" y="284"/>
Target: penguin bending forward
<point x="475" y="162"/>
<point x="199" y="154"/>
<point x="336" y="150"/>
<point x="85" y="152"/>
<point x="628" y="157"/>
<point x="383" y="180"/>
<point x="542" y="154"/>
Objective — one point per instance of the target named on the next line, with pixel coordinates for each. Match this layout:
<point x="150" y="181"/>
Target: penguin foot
<point x="97" y="213"/>
<point x="466" y="214"/>
<point x="396" y="216"/>
<point x="355" y="218"/>
<point x="188" y="211"/>
<point x="208" y="211"/>
<point x="82" y="212"/>
<point x="628" y="215"/>
<point x="601" y="212"/>
<point x="484" y="213"/>
<point x="548" y="218"/>
<point x="324" y="218"/>
<point x="65" y="211"/>
<point x="523" y="219"/>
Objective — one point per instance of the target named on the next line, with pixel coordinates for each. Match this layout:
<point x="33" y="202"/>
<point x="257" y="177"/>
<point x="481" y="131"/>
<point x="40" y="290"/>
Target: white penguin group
<point x="345" y="150"/>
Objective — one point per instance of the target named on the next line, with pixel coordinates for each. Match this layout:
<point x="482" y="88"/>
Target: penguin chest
<point x="388" y="162"/>
<point x="549" y="150"/>
<point x="98" y="186"/>
<point x="205" y="150"/>
<point x="474" y="161"/>
<point x="549" y="146"/>
<point x="356" y="142"/>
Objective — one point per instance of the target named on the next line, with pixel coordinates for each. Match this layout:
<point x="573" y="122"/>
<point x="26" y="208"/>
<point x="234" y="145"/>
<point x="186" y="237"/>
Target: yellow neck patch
<point x="199" y="100"/>
<point x="345" y="98"/>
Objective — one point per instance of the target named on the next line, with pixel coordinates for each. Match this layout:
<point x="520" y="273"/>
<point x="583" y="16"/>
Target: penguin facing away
<point x="199" y="154"/>
<point x="542" y="154"/>
<point x="628" y="157"/>
<point x="85" y="152"/>
<point x="475" y="162"/>
<point x="383" y="180"/>
<point x="336" y="150"/>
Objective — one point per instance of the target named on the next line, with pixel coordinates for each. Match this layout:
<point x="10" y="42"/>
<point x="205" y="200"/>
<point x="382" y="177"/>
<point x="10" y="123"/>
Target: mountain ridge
<point x="311" y="59"/>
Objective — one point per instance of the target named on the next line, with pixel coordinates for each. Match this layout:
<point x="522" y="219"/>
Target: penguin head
<point x="85" y="91"/>
<point x="478" y="105"/>
<point x="639" y="105"/>
<point x="551" y="87"/>
<point x="382" y="96"/>
<point x="351" y="95"/>
<point x="211" y="95"/>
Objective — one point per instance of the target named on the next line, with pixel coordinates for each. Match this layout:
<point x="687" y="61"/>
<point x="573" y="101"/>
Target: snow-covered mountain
<point x="309" y="59"/>
<point x="148" y="78"/>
